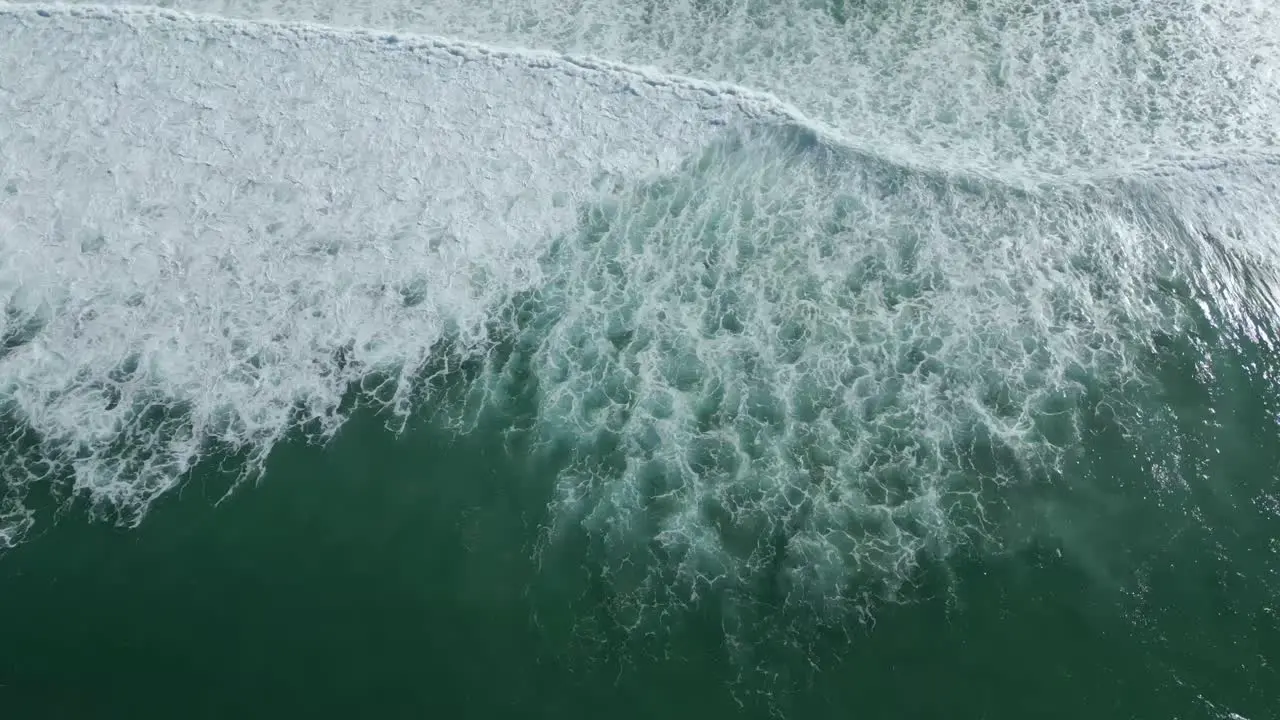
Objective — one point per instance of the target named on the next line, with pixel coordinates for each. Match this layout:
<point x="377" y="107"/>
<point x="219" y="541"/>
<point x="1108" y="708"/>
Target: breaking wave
<point x="768" y="351"/>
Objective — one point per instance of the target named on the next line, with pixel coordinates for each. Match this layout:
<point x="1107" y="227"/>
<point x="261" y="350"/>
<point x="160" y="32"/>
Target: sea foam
<point x="777" y="356"/>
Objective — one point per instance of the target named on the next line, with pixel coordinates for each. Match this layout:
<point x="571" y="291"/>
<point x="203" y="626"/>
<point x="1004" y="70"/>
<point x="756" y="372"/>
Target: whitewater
<point x="846" y="301"/>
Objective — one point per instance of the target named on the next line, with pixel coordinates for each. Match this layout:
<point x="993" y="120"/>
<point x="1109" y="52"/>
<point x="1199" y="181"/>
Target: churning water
<point x="791" y="301"/>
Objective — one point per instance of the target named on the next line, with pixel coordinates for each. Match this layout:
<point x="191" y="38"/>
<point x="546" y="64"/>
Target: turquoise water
<point x="358" y="374"/>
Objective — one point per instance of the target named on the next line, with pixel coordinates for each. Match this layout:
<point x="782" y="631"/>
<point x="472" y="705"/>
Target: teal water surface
<point x="393" y="575"/>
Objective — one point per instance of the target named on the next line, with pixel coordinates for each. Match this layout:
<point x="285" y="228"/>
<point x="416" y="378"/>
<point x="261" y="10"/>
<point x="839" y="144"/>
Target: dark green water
<point x="391" y="576"/>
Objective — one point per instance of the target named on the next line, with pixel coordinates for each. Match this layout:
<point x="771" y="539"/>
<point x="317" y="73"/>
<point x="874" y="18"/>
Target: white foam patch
<point x="1055" y="85"/>
<point x="198" y="214"/>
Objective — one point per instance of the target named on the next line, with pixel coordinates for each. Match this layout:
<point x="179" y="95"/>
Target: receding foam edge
<point x="753" y="103"/>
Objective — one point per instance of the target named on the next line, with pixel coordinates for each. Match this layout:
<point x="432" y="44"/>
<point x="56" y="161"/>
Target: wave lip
<point x="1062" y="88"/>
<point x="872" y="142"/>
<point x="751" y="102"/>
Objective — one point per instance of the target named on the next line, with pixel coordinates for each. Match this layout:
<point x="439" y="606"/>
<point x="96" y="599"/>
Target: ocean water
<point x="697" y="358"/>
